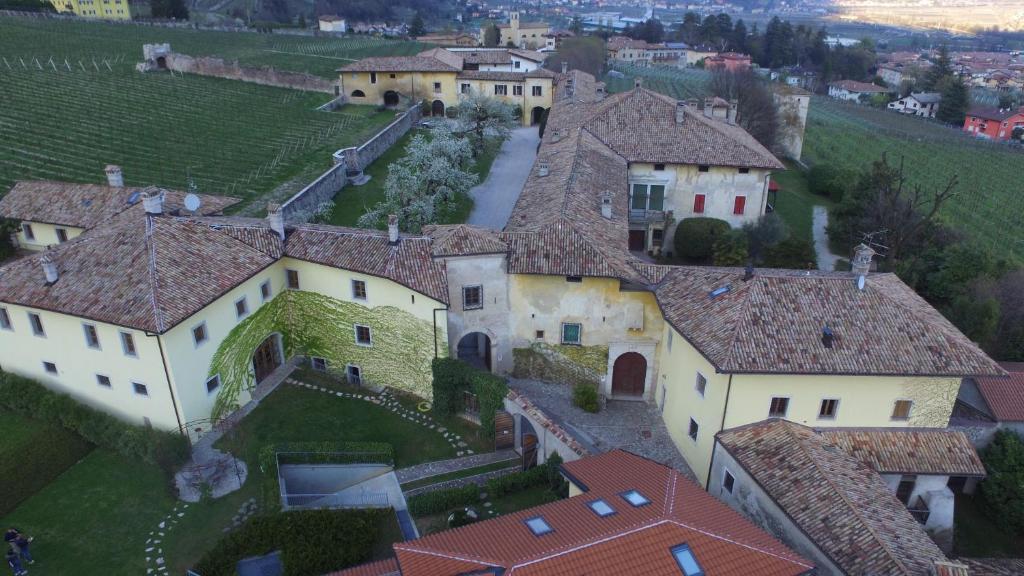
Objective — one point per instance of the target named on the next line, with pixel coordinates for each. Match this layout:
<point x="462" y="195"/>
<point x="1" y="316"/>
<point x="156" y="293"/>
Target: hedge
<point x="452" y="377"/>
<point x="169" y="450"/>
<point x="585" y="397"/>
<point x="443" y="500"/>
<point x="1002" y="491"/>
<point x="310" y="541"/>
<point x="695" y="238"/>
<point x="35" y="459"/>
<point x="323" y="452"/>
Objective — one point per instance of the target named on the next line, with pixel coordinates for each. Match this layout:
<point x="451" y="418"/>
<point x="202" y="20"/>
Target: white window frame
<point x="355" y="333"/>
<point x="835" y="413"/>
<point x="56" y="370"/>
<point x="244" y="301"/>
<point x="108" y="386"/>
<point x="5" y="320"/>
<point x="27" y="231"/>
<point x="726" y="473"/>
<point x="366" y="293"/>
<point x="288" y="280"/>
<point x="206" y="334"/>
<point x="136" y="392"/>
<point x="266" y="290"/>
<point x="561" y="334"/>
<point x="771" y="401"/>
<point x="348" y="373"/>
<point x="537" y="91"/>
<point x="696" y="433"/>
<point x="125" y="337"/>
<point x="85" y="332"/>
<point x="41" y="332"/>
<point x="910" y="412"/>
<point x="313" y="363"/>
<point x="215" y="377"/>
<point x="517" y="89"/>
<point x="59" y="232"/>
<point x="701" y="391"/>
<point x="470" y="287"/>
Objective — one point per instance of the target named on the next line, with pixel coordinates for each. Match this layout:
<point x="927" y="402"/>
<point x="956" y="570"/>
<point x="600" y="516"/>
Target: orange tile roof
<point x="387" y="567"/>
<point x="1005" y="396"/>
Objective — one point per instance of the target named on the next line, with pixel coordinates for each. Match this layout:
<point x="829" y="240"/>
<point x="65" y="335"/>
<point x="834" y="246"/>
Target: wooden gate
<point x="504" y="431"/>
<point x="628" y="375"/>
<point x="529" y="451"/>
<point x="266" y="360"/>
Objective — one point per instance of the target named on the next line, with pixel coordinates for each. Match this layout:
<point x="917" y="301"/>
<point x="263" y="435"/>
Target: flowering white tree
<point x="424" y="184"/>
<point x="484" y="117"/>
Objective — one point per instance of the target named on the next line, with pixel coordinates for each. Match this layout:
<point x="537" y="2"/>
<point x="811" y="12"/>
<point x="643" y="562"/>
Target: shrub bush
<point x="793" y="252"/>
<point x="311" y="541"/>
<point x="169" y="450"/>
<point x="830" y="181"/>
<point x="443" y="500"/>
<point x="731" y="249"/>
<point x="695" y="237"/>
<point x="452" y="377"/>
<point x="1003" y="489"/>
<point x="584" y="396"/>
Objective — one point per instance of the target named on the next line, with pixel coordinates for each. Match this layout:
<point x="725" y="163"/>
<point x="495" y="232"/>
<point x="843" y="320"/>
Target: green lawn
<point x="795" y="203"/>
<point x="977" y="536"/>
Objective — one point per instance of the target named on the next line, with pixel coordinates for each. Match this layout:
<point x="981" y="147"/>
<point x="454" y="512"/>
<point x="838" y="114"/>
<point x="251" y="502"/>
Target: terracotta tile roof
<point x="527" y="25"/>
<point x="88" y="205"/>
<point x="774" y="323"/>
<point x="994" y="566"/>
<point x="528" y="54"/>
<point x="399" y="64"/>
<point x="909" y="450"/>
<point x="854" y="86"/>
<point x="996" y="114"/>
<point x="464" y="240"/>
<point x="483" y="56"/>
<point x="453" y="59"/>
<point x="1005" y="396"/>
<point x="633" y="540"/>
<point x="842" y="505"/>
<point x="387" y="567"/>
<point x="504" y="75"/>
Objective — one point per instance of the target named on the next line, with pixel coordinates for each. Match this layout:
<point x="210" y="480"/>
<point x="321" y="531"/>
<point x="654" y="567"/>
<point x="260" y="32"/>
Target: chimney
<point x="709" y="107"/>
<point x="861" y="264"/>
<point x="542" y="169"/>
<point x="638" y="82"/>
<point x="565" y="67"/>
<point x="153" y="200"/>
<point x="748" y="273"/>
<point x="275" y="217"/>
<point x="114" y="176"/>
<point x="392" y="230"/>
<point x="680" y="112"/>
<point x="555" y="136"/>
<point x="606" y="205"/>
<point x="692" y="103"/>
<point x="733" y="107"/>
<point x="827" y="337"/>
<point x="49" y="269"/>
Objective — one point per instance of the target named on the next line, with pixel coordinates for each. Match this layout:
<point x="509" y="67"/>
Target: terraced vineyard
<point x="675" y="82"/>
<point x="64" y="116"/>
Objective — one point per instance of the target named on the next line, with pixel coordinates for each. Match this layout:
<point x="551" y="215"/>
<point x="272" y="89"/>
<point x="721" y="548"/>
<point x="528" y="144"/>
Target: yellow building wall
<point x="45" y="235"/>
<point x="23" y="353"/>
<point x="99" y="9"/>
<point x="526" y="101"/>
<point x="412" y="85"/>
<point x="532" y="37"/>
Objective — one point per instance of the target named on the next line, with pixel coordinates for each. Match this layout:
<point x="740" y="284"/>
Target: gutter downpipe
<point x="725" y="410"/>
<point x="167" y="375"/>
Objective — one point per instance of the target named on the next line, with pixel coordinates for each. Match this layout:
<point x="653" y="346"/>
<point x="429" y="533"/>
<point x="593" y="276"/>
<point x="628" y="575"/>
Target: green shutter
<point x="657" y="198"/>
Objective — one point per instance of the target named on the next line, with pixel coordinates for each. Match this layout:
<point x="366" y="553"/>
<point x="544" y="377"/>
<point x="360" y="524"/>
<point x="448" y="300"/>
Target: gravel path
<point x="495" y="197"/>
<point x="826" y="259"/>
<point x="421" y="471"/>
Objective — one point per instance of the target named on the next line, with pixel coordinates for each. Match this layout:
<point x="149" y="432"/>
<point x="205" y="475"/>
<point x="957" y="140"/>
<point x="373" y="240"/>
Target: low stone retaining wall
<point x="551" y="437"/>
<point x="479" y="480"/>
<point x="307" y="202"/>
<point x="160" y="57"/>
<point x="357" y="159"/>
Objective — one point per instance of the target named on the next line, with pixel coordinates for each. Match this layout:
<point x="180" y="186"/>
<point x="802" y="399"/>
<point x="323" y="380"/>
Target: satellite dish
<point x="192" y="202"/>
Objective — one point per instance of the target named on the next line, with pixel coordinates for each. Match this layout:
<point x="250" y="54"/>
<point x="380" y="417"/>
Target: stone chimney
<point x="275" y="218"/>
<point x="49" y="269"/>
<point x="680" y="112"/>
<point x="733" y="107"/>
<point x="606" y="205"/>
<point x="861" y="264"/>
<point x="153" y="200"/>
<point x="392" y="230"/>
<point x="114" y="176"/>
<point x="638" y="82"/>
<point x="828" y="338"/>
<point x="709" y="107"/>
<point x="565" y="67"/>
<point x="543" y="169"/>
<point x="692" y="103"/>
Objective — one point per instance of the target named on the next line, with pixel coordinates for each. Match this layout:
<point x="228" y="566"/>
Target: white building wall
<point x="493" y="319"/>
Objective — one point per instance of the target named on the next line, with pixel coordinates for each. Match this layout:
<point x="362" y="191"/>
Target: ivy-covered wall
<point x="312" y="324"/>
<point x="561" y="363"/>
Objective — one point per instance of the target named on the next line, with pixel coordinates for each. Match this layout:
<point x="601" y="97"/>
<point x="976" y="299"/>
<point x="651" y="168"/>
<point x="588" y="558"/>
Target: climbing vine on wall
<point x="560" y="363"/>
<point x="312" y="324"/>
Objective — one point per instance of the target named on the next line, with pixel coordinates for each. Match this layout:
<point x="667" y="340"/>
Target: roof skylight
<point x="635" y="498"/>
<point x="720" y="290"/>
<point x="538" y="525"/>
<point x="687" y="561"/>
<point x="601" y="508"/>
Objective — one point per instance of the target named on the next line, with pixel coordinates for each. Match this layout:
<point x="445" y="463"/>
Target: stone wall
<point x="206" y="66"/>
<point x="551" y="437"/>
<point x="561" y="364"/>
<point x="307" y="202"/>
<point x="357" y="159"/>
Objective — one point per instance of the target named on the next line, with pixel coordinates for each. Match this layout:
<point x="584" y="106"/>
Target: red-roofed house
<point x="993" y="402"/>
<point x="625" y="515"/>
<point x="728" y="61"/>
<point x="993" y="123"/>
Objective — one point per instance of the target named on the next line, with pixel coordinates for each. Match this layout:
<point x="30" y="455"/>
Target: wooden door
<point x="529" y="451"/>
<point x="504" y="431"/>
<point x="265" y="359"/>
<point x="637" y="240"/>
<point x="628" y="375"/>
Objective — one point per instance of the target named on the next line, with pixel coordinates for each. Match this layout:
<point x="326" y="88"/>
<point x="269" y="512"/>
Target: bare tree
<point x="756" y="111"/>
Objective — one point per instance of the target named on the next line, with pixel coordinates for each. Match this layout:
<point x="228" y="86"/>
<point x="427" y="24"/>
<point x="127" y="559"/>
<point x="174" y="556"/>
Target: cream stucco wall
<point x="64" y="344"/>
<point x="44" y="235"/>
<point x="412" y="85"/>
<point x="526" y="101"/>
<point x="493" y="318"/>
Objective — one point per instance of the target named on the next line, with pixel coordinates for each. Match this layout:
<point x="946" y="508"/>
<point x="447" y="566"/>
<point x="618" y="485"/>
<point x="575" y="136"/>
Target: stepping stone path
<point x="387" y="400"/>
<point x="155" y="562"/>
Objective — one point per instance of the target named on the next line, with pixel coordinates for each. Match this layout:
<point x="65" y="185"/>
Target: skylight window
<point x="635" y="498"/>
<point x="601" y="508"/>
<point x="720" y="290"/>
<point x="538" y="526"/>
<point x="687" y="561"/>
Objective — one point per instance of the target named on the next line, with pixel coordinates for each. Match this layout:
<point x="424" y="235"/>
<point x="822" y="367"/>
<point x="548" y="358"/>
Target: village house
<point x="854" y="91"/>
<point x="95" y="9"/>
<point x="924" y="104"/>
<point x="728" y="61"/>
<point x="891" y="75"/>
<point x="332" y="24"/>
<point x="440" y="77"/>
<point x="992" y="403"/>
<point x="640" y="53"/>
<point x="993" y="123"/>
<point x="624" y="515"/>
<point x="517" y="34"/>
<point x="697" y="54"/>
<point x="448" y="40"/>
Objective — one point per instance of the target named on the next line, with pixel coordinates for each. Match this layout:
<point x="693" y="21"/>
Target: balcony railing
<point x="919" y="510"/>
<point x="643" y="215"/>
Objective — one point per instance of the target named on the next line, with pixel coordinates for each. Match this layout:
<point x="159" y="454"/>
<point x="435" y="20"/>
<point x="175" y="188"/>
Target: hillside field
<point x="989" y="206"/>
<point x="72" y="102"/>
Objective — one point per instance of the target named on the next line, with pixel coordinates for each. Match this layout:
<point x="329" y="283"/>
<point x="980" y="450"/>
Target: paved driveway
<point x="826" y="259"/>
<point x="495" y="197"/>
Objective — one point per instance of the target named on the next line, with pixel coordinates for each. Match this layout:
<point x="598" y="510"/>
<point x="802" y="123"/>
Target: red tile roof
<point x="387" y="567"/>
<point x="633" y="540"/>
<point x="854" y="86"/>
<point x="909" y="450"/>
<point x="1005" y="396"/>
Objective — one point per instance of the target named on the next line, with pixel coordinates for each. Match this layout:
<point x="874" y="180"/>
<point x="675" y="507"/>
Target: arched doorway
<point x="437" y="108"/>
<point x="536" y="115"/>
<point x="358" y="94"/>
<point x="391" y="98"/>
<point x="629" y="374"/>
<point x="161" y="62"/>
<point x="475" y="349"/>
<point x="266" y="358"/>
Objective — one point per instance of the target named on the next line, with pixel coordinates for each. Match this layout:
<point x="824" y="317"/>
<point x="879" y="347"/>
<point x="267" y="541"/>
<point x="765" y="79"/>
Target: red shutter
<point x="698" y="204"/>
<point x="741" y="203"/>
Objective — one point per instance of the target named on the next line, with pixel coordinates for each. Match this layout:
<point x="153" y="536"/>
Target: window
<point x="140" y="389"/>
<point x="647" y="197"/>
<point x="241" y="308"/>
<point x="319" y="364"/>
<point x="437" y="87"/>
<point x="128" y="345"/>
<point x="50" y="367"/>
<point x="212" y="384"/>
<point x="901" y="410"/>
<point x="391" y="76"/>
<point x="744" y="170"/>
<point x="103" y="381"/>
<point x="516" y="64"/>
<point x="698" y="203"/>
<point x="739" y="205"/>
<point x="37" y="324"/>
<point x="538" y="526"/>
<point x="576" y="279"/>
<point x="359" y="289"/>
<point x="464" y="89"/>
<point x="538" y="334"/>
<point x="26" y="229"/>
<point x="906" y="487"/>
<point x="472" y="297"/>
<point x="266" y="291"/>
<point x="635" y="498"/>
<point x="199" y="334"/>
<point x="293" y="279"/>
<point x="363" y="336"/>
<point x="500" y="90"/>
<point x="778" y="407"/>
<point x="703" y="168"/>
<point x="62" y="235"/>
<point x="659" y="167"/>
<point x="687" y="561"/>
<point x="517" y="90"/>
<point x="601" y="508"/>
<point x="355" y="375"/>
<point x="571" y="333"/>
<point x="538" y="90"/>
<point x="728" y="481"/>
<point x="373" y="77"/>
<point x="657" y="236"/>
<point x="828" y="409"/>
<point x="92" y="338"/>
<point x="5" y="319"/>
<point x="694" y="429"/>
<point x="702" y="384"/>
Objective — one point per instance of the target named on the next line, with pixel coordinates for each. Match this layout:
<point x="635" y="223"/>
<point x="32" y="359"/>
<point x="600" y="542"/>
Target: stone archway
<point x="437" y="108"/>
<point x="474" y="349"/>
<point x="161" y="62"/>
<point x="629" y="375"/>
<point x="536" y="115"/>
<point x="391" y="98"/>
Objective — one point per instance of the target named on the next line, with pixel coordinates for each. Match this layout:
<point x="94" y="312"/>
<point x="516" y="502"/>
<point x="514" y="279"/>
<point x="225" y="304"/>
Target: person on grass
<point x="15" y="563"/>
<point x="19" y="543"/>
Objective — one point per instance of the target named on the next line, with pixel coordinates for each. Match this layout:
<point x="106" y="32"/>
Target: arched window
<point x="358" y="94"/>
